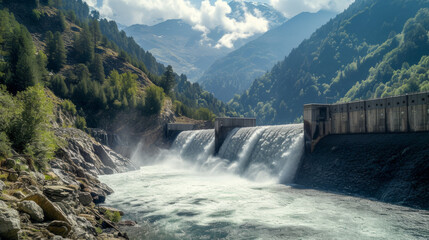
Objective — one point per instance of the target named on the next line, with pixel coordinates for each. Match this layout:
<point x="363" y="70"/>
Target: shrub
<point x="69" y="107"/>
<point x="153" y="100"/>
<point x="80" y="123"/>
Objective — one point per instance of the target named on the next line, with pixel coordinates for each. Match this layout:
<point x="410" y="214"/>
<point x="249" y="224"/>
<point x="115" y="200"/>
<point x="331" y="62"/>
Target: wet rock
<point x="34" y="210"/>
<point x="127" y="223"/>
<point x="106" y="188"/>
<point x="50" y="210"/>
<point x="107" y="170"/>
<point x="2" y="185"/>
<point x="60" y="228"/>
<point x="58" y="193"/>
<point x="85" y="198"/>
<point x="9" y="222"/>
<point x="98" y="196"/>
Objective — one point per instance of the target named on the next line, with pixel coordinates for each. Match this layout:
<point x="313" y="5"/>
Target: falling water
<point x="259" y="153"/>
<point x="191" y="194"/>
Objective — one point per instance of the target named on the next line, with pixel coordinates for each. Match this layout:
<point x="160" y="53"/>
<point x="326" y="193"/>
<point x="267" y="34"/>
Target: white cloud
<point x="291" y="8"/>
<point x="205" y="18"/>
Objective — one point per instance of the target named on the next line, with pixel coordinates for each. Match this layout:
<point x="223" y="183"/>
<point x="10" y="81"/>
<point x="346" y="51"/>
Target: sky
<point x="206" y="15"/>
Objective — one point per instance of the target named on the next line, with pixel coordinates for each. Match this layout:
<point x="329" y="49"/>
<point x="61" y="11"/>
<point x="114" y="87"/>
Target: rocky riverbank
<point x="60" y="202"/>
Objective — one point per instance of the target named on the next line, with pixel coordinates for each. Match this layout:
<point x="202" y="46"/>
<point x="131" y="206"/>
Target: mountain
<point x="374" y="48"/>
<point x="235" y="72"/>
<point x="175" y="42"/>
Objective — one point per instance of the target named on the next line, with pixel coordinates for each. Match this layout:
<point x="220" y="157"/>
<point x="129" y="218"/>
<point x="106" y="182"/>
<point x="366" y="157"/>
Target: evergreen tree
<point x="22" y="61"/>
<point x="95" y="30"/>
<point x="97" y="69"/>
<point x="83" y="45"/>
<point x="168" y="80"/>
<point x="56" y="51"/>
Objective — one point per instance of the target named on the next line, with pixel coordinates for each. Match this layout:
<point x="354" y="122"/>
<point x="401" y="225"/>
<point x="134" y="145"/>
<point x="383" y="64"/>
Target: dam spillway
<point x="268" y="152"/>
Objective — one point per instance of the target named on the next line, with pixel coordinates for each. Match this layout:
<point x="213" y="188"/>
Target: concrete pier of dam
<point x="222" y="127"/>
<point x="401" y="114"/>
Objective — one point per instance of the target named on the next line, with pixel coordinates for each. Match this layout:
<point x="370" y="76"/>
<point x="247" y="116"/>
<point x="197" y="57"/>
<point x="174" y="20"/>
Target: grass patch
<point x="98" y="230"/>
<point x="113" y="216"/>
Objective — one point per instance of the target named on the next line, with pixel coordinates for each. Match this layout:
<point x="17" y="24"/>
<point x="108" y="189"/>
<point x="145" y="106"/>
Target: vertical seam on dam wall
<point x="407" y="113"/>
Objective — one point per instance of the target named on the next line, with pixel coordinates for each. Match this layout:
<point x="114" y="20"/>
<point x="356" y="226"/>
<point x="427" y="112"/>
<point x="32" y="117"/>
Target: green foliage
<point x="84" y="45"/>
<point x="97" y="69"/>
<point x="113" y="216"/>
<point x="56" y="51"/>
<point x="356" y="55"/>
<point x="168" y="80"/>
<point x="153" y="100"/>
<point x="5" y="145"/>
<point x="80" y="123"/>
<point x="29" y="129"/>
<point x="69" y="107"/>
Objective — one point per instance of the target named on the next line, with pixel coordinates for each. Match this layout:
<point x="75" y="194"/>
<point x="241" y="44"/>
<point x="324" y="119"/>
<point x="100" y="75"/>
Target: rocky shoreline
<point x="61" y="202"/>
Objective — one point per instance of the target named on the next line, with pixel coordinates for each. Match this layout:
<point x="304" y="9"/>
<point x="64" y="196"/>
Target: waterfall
<point x="258" y="153"/>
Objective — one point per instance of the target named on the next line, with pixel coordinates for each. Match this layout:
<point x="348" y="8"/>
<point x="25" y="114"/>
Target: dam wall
<point x="401" y="114"/>
<point x="389" y="167"/>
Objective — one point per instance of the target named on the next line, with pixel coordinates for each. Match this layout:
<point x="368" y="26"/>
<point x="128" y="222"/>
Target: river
<point x="246" y="192"/>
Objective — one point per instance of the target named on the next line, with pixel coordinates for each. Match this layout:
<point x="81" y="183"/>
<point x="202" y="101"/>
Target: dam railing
<point x="407" y="113"/>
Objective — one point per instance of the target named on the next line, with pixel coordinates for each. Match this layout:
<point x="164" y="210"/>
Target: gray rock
<point x="51" y="210"/>
<point x="18" y="194"/>
<point x="34" y="210"/>
<point x="9" y="222"/>
<point x="58" y="193"/>
<point x="60" y="228"/>
<point x="85" y="198"/>
<point x="2" y="185"/>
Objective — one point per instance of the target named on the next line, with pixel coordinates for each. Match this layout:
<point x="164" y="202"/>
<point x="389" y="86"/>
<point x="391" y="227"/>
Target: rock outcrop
<point x="60" y="203"/>
<point x="9" y="222"/>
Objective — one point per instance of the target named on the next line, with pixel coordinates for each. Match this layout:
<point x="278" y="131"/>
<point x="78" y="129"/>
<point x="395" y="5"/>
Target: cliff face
<point x="388" y="167"/>
<point x="61" y="201"/>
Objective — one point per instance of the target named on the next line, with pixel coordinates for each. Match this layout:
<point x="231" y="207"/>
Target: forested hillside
<point x="88" y="61"/>
<point x="234" y="73"/>
<point x="374" y="48"/>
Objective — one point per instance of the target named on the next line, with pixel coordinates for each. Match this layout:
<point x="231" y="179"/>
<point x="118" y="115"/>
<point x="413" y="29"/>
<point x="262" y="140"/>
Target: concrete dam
<point x="375" y="149"/>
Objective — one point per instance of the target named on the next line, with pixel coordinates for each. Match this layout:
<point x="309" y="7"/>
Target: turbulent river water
<point x="245" y="193"/>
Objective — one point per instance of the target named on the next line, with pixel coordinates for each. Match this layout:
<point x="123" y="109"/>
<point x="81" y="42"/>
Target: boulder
<point x="98" y="195"/>
<point x="2" y="185"/>
<point x="127" y="223"/>
<point x="59" y="193"/>
<point x="60" y="228"/>
<point x="50" y="210"/>
<point x="9" y="222"/>
<point x="85" y="198"/>
<point x="18" y="194"/>
<point x="34" y="210"/>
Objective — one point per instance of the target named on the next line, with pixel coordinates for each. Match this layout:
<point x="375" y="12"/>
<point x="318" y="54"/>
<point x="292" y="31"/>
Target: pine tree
<point x="56" y="51"/>
<point x="94" y="27"/>
<point x="23" y="64"/>
<point x="83" y="45"/>
<point x="97" y="69"/>
<point x="168" y="80"/>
